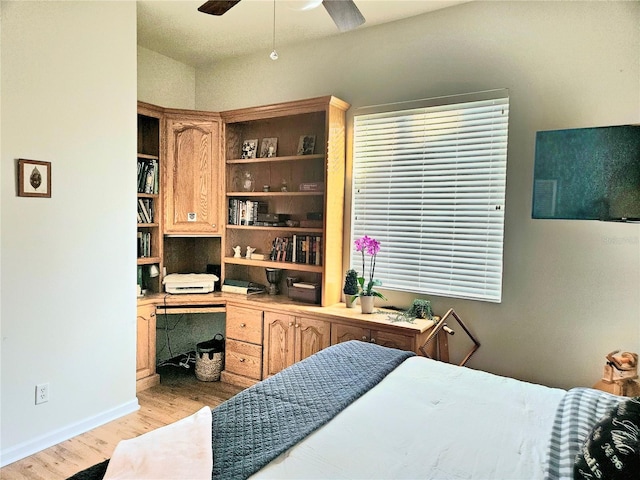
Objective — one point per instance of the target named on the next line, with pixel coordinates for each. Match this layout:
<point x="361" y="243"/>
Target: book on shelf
<point x="148" y="176"/>
<point x="245" y="212"/>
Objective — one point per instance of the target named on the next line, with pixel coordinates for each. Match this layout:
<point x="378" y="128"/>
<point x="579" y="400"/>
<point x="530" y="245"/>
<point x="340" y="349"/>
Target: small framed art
<point x="249" y="148"/>
<point x="268" y="147"/>
<point x="306" y="144"/>
<point x="34" y="178"/>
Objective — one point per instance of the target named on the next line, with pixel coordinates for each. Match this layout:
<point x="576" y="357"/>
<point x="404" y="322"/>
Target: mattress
<point x="429" y="420"/>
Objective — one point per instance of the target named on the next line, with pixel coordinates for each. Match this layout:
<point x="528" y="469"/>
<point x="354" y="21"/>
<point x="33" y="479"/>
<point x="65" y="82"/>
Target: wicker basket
<point x="210" y="359"/>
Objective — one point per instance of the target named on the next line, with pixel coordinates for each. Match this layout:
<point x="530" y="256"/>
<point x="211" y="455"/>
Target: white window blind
<point x="429" y="185"/>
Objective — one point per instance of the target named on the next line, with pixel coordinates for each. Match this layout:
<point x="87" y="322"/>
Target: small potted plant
<point x="351" y="288"/>
<point x="421" y="308"/>
<point x="366" y="292"/>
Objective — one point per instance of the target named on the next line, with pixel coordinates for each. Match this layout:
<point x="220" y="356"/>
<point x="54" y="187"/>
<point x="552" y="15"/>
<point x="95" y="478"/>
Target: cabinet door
<point x="312" y="335"/>
<point x="392" y="340"/>
<point x="192" y="176"/>
<point x="146" y="341"/>
<point x="343" y="333"/>
<point x="279" y="341"/>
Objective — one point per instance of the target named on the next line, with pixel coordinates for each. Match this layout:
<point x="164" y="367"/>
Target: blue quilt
<point x="263" y="421"/>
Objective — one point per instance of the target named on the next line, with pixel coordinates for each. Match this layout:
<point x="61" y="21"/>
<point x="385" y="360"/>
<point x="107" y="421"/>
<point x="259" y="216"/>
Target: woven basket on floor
<point x="209" y="365"/>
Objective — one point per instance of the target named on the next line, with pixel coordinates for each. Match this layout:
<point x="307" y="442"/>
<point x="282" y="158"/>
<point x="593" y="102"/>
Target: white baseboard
<point x="38" y="444"/>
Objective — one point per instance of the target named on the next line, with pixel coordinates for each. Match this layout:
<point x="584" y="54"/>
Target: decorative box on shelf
<point x="305" y="292"/>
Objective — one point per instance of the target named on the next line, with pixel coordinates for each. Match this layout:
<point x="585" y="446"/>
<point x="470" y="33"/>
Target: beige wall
<point x="164" y="81"/>
<point x="571" y="288"/>
<point x="68" y="90"/>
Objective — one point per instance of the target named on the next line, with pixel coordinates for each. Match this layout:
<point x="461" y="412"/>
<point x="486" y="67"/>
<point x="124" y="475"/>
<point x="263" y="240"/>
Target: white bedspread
<point x="431" y="420"/>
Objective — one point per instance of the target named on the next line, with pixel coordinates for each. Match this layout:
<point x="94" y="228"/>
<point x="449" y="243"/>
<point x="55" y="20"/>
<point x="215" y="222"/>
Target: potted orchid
<point x="367" y="294"/>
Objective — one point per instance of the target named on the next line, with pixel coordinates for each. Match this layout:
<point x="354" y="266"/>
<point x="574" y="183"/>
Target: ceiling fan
<point x="344" y="13"/>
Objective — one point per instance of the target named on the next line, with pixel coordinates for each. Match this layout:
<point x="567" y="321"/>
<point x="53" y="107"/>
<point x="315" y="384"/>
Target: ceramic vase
<point x="366" y="303"/>
<point x="349" y="301"/>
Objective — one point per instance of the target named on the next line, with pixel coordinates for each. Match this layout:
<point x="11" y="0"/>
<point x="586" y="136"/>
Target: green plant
<point x="351" y="286"/>
<point x="420" y="308"/>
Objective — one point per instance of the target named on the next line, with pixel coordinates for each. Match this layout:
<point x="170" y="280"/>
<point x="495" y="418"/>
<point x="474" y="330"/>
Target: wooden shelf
<point x="275" y="194"/>
<point x="289" y="158"/>
<point x="275" y="230"/>
<point x="148" y="195"/>
<point x="301" y="267"/>
<point x="148" y="260"/>
<point x="148" y="157"/>
<point x="148" y="225"/>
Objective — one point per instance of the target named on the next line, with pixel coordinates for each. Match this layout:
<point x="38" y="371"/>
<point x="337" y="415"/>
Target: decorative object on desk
<point x="441" y="331"/>
<point x="268" y="147"/>
<point x="350" y="288"/>
<point x="305" y="292"/>
<point x="420" y="308"/>
<point x="372" y="247"/>
<point x="306" y="144"/>
<point x="237" y="251"/>
<point x="258" y="256"/>
<point x="266" y="188"/>
<point x="250" y="250"/>
<point x="620" y="374"/>
<point x="249" y="148"/>
<point x="273" y="277"/>
<point x="248" y="183"/>
<point x="34" y="178"/>
<point x="283" y="185"/>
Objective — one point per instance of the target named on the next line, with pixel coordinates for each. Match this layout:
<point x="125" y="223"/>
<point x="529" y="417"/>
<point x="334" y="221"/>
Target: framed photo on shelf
<point x="34" y="178"/>
<point x="249" y="148"/>
<point x="268" y="147"/>
<point x="306" y="144"/>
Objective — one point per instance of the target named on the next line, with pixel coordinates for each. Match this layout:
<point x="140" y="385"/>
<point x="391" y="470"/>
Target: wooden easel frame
<point x="440" y="331"/>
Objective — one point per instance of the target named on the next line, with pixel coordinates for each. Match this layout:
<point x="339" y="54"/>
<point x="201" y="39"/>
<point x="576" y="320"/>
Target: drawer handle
<point x="242" y="325"/>
<point x="242" y="360"/>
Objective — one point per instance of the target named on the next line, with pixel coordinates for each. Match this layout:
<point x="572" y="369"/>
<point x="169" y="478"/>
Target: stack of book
<point x="148" y="176"/>
<point x="245" y="212"/>
<point x="145" y="210"/>
<point x="144" y="244"/>
<point x="305" y="249"/>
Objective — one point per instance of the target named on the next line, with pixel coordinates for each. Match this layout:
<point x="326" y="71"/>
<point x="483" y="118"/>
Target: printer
<point x="189" y="282"/>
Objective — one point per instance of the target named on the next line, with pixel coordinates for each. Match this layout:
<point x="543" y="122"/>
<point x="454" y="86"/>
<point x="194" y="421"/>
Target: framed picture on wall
<point x="34" y="178"/>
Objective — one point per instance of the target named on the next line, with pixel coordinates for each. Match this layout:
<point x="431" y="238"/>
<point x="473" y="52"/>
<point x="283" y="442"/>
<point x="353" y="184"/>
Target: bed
<point x="360" y="411"/>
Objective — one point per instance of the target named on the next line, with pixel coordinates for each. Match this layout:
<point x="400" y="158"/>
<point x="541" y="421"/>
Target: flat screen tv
<point x="588" y="174"/>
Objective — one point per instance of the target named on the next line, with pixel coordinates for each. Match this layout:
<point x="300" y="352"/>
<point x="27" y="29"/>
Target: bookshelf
<point x="149" y="221"/>
<point x="298" y="190"/>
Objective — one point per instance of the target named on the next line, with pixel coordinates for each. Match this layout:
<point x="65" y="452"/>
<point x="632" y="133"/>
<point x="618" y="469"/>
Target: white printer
<point x="189" y="282"/>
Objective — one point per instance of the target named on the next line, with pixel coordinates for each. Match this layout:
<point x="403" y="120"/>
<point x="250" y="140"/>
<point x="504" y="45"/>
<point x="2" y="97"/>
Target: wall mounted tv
<point x="588" y="174"/>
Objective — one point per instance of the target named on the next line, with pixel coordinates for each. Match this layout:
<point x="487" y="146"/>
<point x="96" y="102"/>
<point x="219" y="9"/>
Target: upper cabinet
<point x="284" y="193"/>
<point x="193" y="173"/>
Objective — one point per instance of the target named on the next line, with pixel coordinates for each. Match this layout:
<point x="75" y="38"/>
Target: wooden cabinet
<point x="289" y="339"/>
<point x="343" y="332"/>
<point x="192" y="190"/>
<point x="301" y="188"/>
<point x="149" y="199"/>
<point x="243" y="349"/>
<point x="146" y="375"/>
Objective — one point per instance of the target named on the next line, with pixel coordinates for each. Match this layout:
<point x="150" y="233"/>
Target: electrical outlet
<point x="42" y="393"/>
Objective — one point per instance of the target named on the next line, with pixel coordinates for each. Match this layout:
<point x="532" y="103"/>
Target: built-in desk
<point x="265" y="333"/>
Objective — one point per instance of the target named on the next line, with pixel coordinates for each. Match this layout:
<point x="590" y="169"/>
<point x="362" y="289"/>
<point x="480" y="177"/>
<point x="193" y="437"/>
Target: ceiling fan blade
<point x="217" y="7"/>
<point x="344" y="13"/>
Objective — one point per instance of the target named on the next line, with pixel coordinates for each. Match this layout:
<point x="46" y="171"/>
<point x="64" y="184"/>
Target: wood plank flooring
<point x="178" y="396"/>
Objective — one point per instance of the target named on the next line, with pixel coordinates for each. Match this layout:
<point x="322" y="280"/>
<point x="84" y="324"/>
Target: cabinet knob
<point x="242" y="325"/>
<point x="297" y="325"/>
<point x="291" y="324"/>
<point x="152" y="315"/>
<point x="373" y="340"/>
<point x="242" y="360"/>
<point x="364" y="338"/>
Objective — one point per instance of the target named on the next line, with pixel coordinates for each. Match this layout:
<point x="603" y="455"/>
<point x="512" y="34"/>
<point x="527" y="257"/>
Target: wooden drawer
<point x="244" y="324"/>
<point x="243" y="359"/>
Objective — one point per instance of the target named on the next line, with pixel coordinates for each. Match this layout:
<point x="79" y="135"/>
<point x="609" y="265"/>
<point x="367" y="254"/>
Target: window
<point x="429" y="184"/>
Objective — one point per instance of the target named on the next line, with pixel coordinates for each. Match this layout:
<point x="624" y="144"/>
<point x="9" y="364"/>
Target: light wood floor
<point x="177" y="396"/>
